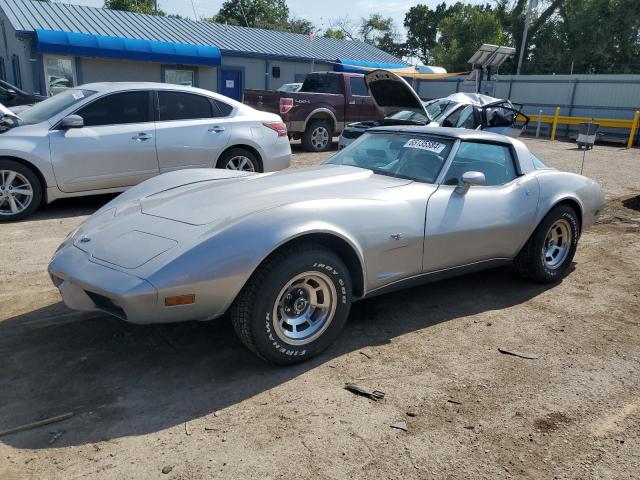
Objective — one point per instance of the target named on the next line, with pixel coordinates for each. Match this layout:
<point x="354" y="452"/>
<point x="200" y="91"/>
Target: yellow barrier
<point x="558" y="119"/>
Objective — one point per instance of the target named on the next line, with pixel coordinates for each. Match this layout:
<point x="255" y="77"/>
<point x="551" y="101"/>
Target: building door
<point x="231" y="84"/>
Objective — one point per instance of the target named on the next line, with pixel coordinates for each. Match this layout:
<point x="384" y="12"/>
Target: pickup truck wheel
<point x="547" y="255"/>
<point x="20" y="191"/>
<point x="295" y="304"/>
<point x="318" y="136"/>
<point x="239" y="159"/>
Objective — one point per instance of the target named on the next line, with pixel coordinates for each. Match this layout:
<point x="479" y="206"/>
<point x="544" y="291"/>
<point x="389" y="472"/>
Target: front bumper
<point x="88" y="286"/>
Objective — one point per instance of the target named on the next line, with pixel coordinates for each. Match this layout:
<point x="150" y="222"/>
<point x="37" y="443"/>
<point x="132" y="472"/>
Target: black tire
<point x="231" y="156"/>
<point x="310" y="140"/>
<point x="36" y="188"/>
<point x="534" y="262"/>
<point x="253" y="315"/>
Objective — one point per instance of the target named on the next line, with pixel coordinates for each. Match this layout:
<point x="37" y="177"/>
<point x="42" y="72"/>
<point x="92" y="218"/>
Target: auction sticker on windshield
<point x="428" y="145"/>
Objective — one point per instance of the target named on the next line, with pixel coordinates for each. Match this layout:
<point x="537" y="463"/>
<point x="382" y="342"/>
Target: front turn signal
<point x="179" y="300"/>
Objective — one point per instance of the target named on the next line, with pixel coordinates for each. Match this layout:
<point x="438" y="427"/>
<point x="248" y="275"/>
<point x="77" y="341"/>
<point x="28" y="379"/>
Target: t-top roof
<point x="29" y="15"/>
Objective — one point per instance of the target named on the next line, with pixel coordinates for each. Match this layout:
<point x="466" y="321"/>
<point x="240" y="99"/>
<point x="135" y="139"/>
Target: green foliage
<point x="422" y="29"/>
<point x="335" y="34"/>
<point x="269" y="14"/>
<point x="462" y="32"/>
<point x="135" y="6"/>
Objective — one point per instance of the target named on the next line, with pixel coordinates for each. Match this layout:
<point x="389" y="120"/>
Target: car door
<point x="487" y="222"/>
<point x="360" y="106"/>
<point x="115" y="148"/>
<point x="192" y="129"/>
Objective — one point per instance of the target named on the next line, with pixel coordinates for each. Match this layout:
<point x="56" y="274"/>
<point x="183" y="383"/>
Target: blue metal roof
<point x="29" y="16"/>
<point x="87" y="45"/>
<point x="360" y="66"/>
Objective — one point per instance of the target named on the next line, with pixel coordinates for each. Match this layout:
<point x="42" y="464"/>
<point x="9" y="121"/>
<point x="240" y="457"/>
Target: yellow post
<point x="634" y="127"/>
<point x="555" y="124"/>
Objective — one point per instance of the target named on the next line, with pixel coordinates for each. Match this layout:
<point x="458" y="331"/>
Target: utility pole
<point x="155" y="7"/>
<point x="527" y="21"/>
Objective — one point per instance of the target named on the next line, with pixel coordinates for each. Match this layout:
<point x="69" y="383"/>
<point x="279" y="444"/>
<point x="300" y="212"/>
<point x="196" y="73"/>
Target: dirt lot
<point x="190" y="401"/>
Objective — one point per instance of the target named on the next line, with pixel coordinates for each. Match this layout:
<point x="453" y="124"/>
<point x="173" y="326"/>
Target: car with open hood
<point x="399" y="104"/>
<point x="292" y="250"/>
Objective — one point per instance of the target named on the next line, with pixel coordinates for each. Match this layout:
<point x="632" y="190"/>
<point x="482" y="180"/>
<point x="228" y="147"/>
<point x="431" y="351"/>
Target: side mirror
<point x="71" y="121"/>
<point x="471" y="178"/>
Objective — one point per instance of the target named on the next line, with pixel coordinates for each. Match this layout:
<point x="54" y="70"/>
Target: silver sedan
<point x="107" y="137"/>
<point x="287" y="257"/>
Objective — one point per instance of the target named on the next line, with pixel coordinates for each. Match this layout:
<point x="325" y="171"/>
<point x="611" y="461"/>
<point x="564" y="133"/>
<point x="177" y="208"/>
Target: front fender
<point x="217" y="268"/>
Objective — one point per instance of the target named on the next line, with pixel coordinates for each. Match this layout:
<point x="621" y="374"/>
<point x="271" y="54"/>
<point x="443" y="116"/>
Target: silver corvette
<point x="286" y="253"/>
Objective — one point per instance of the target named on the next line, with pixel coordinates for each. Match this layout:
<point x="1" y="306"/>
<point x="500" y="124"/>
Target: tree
<point x="269" y="14"/>
<point x="299" y="25"/>
<point x="462" y="32"/>
<point x="135" y="6"/>
<point x="335" y="34"/>
<point x="422" y="29"/>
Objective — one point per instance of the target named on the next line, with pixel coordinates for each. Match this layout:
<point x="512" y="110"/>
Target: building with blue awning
<point x="47" y="47"/>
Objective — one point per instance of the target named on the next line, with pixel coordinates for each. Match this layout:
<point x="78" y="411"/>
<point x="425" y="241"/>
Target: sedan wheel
<point x="240" y="159"/>
<point x="20" y="191"/>
<point x="240" y="163"/>
<point x="295" y="305"/>
<point x="16" y="193"/>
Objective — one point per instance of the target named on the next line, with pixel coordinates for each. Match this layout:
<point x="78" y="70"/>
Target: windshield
<point x="409" y="116"/>
<point x="403" y="155"/>
<point x="46" y="109"/>
<point x="437" y="108"/>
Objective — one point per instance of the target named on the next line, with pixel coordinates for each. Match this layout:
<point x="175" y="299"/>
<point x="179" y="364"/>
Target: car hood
<point x="391" y="93"/>
<point x="226" y="200"/>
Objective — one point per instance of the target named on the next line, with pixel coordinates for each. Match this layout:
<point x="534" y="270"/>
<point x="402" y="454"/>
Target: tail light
<point x="278" y="127"/>
<point x="286" y="104"/>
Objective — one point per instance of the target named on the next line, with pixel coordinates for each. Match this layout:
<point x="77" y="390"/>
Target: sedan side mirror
<point x="471" y="178"/>
<point x="72" y="121"/>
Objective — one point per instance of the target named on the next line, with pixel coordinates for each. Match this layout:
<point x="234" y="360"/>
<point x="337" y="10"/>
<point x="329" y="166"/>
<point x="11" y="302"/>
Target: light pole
<point x="531" y="4"/>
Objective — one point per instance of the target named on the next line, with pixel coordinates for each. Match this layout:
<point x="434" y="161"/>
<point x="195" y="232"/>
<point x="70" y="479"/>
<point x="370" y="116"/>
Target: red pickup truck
<point x="326" y="102"/>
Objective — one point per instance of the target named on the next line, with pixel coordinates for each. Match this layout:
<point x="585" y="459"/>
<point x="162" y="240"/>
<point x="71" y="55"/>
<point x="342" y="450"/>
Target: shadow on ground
<point x="71" y="207"/>
<point x="121" y="379"/>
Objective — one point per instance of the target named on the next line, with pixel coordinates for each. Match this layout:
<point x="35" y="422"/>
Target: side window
<point x="118" y="108"/>
<point x="358" y="86"/>
<point x="224" y="108"/>
<point x="467" y="118"/>
<point x="452" y="119"/>
<point x="495" y="161"/>
<point x="183" y="106"/>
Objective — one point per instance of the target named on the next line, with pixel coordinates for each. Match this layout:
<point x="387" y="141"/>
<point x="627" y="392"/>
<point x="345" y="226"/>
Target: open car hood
<point x="391" y="93"/>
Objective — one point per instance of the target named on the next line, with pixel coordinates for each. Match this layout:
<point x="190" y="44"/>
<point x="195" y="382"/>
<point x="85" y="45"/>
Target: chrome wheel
<point x="319" y="137"/>
<point x="304" y="308"/>
<point x="557" y="244"/>
<point x="241" y="163"/>
<point x="16" y="192"/>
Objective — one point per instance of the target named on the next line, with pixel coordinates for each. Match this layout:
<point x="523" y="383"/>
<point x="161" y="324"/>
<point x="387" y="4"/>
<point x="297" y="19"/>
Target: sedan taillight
<point x="286" y="104"/>
<point x="278" y="127"/>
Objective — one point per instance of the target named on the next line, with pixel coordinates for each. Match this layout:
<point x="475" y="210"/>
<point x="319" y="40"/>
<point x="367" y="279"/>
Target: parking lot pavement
<point x="189" y="397"/>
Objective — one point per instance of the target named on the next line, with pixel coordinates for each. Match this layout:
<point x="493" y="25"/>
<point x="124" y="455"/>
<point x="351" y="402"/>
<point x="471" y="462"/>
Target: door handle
<point x="352" y="102"/>
<point x="141" y="137"/>
<point x="217" y="129"/>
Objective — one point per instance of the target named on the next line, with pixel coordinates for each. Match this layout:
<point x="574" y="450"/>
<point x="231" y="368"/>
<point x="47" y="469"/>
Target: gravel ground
<point x="187" y="401"/>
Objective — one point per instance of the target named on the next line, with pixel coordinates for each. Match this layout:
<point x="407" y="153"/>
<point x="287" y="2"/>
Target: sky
<point x="320" y="13"/>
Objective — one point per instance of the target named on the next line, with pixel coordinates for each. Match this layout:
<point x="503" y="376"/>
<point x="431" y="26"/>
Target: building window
<point x="59" y="73"/>
<point x="3" y="72"/>
<point x="275" y="72"/>
<point x="180" y="76"/>
<point x="15" y="64"/>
